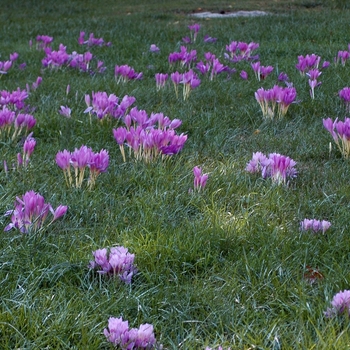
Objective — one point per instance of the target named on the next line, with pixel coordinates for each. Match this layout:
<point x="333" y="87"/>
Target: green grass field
<point x="225" y="266"/>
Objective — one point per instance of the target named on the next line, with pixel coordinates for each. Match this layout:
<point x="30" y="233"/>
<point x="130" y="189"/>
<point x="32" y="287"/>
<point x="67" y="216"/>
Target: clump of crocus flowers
<point x="277" y="96"/>
<point x="200" y="180"/>
<point x="344" y="94"/>
<point x="13" y="100"/>
<point x="261" y="72"/>
<point x="189" y="80"/>
<point x="31" y="212"/>
<point x="79" y="160"/>
<point x="116" y="262"/>
<point x="340" y="304"/>
<point x="315" y="226"/>
<point x="125" y="73"/>
<point x="120" y="335"/>
<point x="241" y="51"/>
<point x="149" y="137"/>
<point x="92" y="41"/>
<point x="275" y="166"/>
<point x="43" y="41"/>
<point x="186" y="58"/>
<point x="57" y="59"/>
<point x="212" y="65"/>
<point x="105" y="106"/>
<point x="9" y="121"/>
<point x="340" y="131"/>
<point x="309" y="62"/>
<point x="342" y="57"/>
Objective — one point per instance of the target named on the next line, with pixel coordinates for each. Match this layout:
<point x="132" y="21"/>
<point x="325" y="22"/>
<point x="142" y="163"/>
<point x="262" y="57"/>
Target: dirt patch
<point x="224" y="14"/>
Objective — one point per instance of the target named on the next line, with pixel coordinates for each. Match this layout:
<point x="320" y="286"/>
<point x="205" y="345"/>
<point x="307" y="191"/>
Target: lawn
<point x="222" y="263"/>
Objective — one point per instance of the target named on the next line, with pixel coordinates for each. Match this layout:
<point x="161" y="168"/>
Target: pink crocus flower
<point x="244" y="75"/>
<point x="65" y="111"/>
<point x="161" y="80"/>
<point x="200" y="180"/>
<point x="154" y="48"/>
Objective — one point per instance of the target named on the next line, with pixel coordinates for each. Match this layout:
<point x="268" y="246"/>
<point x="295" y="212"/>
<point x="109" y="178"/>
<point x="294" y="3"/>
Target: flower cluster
<point x="194" y="29"/>
<point x="6" y="65"/>
<point x="239" y="51"/>
<point x="43" y="41"/>
<point x="211" y="64"/>
<point x="344" y="94"/>
<point x="340" y="131"/>
<point x="276" y="166"/>
<point x="119" y="334"/>
<point x="309" y="62"/>
<point x="23" y="159"/>
<point x="82" y="62"/>
<point x="10" y="120"/>
<point x="149" y="137"/>
<point x="315" y="225"/>
<point x="268" y="99"/>
<point x="200" y="180"/>
<point x="161" y="79"/>
<point x="342" y="56"/>
<point x="261" y="72"/>
<point x="118" y="262"/>
<point x="92" y="41"/>
<point x="184" y="57"/>
<point x="81" y="159"/>
<point x="107" y="106"/>
<point x="125" y="73"/>
<point x="31" y="211"/>
<point x="13" y="100"/>
<point x="313" y="75"/>
<point x="340" y="304"/>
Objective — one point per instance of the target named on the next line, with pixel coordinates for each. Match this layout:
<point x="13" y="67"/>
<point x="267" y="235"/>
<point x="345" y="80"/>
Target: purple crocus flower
<point x="161" y="80"/>
<point x="200" y="180"/>
<point x="31" y="212"/>
<point x="340" y="304"/>
<point x="65" y="111"/>
<point x="154" y="48"/>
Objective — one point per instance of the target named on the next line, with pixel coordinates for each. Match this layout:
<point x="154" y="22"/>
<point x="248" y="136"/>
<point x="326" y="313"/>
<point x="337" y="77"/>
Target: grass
<point x="223" y="267"/>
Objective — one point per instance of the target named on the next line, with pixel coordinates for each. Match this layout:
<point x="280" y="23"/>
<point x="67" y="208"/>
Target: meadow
<point x="220" y="263"/>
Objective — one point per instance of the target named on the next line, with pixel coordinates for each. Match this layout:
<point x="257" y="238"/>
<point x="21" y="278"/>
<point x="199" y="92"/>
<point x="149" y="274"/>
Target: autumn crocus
<point x="161" y="80"/>
<point x="154" y="48"/>
<point x="117" y="262"/>
<point x="340" y="305"/>
<point x="120" y="335"/>
<point x="344" y="94"/>
<point x="340" y="131"/>
<point x="28" y="148"/>
<point x="81" y="159"/>
<point x="276" y="166"/>
<point x="190" y="81"/>
<point x="200" y="180"/>
<point x="314" y="225"/>
<point x="194" y="30"/>
<point x="31" y="212"/>
<point x="65" y="111"/>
